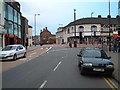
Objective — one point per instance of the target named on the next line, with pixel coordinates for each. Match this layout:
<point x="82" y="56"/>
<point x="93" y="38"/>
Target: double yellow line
<point x="110" y="83"/>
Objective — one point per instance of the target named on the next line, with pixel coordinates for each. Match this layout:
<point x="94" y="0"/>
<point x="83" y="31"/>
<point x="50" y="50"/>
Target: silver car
<point x="12" y="52"/>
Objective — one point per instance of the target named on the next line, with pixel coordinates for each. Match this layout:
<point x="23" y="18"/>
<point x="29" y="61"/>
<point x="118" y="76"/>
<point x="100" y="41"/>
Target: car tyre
<point x="15" y="57"/>
<point x="109" y="74"/>
<point x="24" y="55"/>
<point x="82" y="72"/>
<point x="79" y="64"/>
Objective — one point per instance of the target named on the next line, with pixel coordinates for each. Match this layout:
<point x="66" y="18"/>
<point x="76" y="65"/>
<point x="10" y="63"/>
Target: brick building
<point x="46" y="37"/>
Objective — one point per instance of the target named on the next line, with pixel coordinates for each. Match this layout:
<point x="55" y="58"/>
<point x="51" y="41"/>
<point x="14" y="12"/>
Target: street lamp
<point x="91" y="27"/>
<point x="75" y="21"/>
<point x="35" y="27"/>
<point x="109" y="29"/>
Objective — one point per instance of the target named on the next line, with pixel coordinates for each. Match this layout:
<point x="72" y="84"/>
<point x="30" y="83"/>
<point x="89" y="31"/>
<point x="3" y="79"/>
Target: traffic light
<point x="119" y="31"/>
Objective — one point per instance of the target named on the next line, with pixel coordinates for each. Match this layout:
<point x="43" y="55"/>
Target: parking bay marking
<point x="110" y="83"/>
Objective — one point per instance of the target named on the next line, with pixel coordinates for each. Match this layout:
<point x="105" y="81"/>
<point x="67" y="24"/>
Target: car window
<point x="94" y="54"/>
<point x="20" y="47"/>
<point x="103" y="54"/>
<point x="7" y="48"/>
<point x="91" y="53"/>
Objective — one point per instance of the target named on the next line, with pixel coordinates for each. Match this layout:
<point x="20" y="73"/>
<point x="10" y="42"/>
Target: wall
<point x="29" y="36"/>
<point x="1" y="24"/>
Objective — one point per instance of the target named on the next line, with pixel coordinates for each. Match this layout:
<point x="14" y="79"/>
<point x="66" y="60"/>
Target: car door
<point x="18" y="51"/>
<point x="21" y="50"/>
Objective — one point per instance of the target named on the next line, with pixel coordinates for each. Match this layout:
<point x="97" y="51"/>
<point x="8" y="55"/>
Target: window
<point x="19" y="31"/>
<point x="94" y="28"/>
<point x="19" y="19"/>
<point x="15" y="29"/>
<point x="10" y="27"/>
<point x="6" y="10"/>
<point x="81" y="28"/>
<point x="15" y="16"/>
<point x="105" y="28"/>
<point x="68" y="30"/>
<point x="10" y="13"/>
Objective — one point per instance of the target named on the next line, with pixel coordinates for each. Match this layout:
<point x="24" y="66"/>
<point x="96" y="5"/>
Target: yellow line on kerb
<point x="110" y="83"/>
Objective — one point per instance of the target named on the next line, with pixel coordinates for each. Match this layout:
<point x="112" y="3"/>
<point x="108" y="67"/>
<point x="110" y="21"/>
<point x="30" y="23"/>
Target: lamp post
<point x="109" y="29"/>
<point x="74" y="21"/>
<point x="91" y="27"/>
<point x="35" y="27"/>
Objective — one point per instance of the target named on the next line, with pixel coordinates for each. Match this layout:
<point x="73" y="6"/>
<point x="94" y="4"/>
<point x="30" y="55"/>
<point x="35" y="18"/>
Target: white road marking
<point x="43" y="84"/>
<point x="23" y="59"/>
<point x="62" y="57"/>
<point x="48" y="49"/>
<point x="57" y="66"/>
<point x="41" y="48"/>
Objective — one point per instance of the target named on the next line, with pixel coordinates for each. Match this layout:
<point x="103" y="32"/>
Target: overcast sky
<point x="54" y="12"/>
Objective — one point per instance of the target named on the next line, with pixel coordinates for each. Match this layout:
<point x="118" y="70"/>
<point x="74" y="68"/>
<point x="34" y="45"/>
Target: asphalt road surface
<point x="55" y="69"/>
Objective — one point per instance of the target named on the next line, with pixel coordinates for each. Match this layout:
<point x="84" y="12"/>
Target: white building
<point x="2" y="24"/>
<point x="87" y="30"/>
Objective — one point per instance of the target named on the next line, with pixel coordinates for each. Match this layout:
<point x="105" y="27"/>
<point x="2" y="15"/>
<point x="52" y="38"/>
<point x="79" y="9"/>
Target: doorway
<point x="11" y="41"/>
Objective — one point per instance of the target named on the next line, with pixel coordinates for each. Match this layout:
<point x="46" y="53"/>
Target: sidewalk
<point x="33" y="48"/>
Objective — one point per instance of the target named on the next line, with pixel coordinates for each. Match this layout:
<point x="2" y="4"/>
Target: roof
<point x="95" y="20"/>
<point x="104" y="21"/>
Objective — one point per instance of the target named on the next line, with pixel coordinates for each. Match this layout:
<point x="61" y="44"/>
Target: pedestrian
<point x="115" y="47"/>
<point x="119" y="46"/>
<point x="26" y="44"/>
<point x="70" y="45"/>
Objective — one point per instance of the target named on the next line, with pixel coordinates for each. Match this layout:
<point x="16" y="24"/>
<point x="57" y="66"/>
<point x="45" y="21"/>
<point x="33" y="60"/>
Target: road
<point x="55" y="69"/>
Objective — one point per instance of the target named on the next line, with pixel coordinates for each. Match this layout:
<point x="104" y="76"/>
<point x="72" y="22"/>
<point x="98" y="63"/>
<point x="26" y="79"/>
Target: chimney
<point x="99" y="16"/>
<point x="109" y="16"/>
<point x="46" y="28"/>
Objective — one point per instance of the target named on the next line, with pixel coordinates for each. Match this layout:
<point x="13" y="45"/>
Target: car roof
<point x="91" y="48"/>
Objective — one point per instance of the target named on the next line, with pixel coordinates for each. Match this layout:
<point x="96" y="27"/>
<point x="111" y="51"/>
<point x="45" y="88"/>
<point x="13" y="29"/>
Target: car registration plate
<point x="98" y="69"/>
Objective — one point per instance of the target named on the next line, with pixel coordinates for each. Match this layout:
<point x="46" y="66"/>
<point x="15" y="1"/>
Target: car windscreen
<point x="7" y="48"/>
<point x="94" y="54"/>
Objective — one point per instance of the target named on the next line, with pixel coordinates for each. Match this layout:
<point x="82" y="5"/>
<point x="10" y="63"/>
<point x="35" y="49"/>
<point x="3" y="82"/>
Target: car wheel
<point x="82" y="72"/>
<point x="109" y="74"/>
<point x="79" y="64"/>
<point x="15" y="57"/>
<point x="24" y="55"/>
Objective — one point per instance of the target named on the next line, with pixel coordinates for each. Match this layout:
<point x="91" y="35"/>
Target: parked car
<point x="12" y="52"/>
<point x="94" y="60"/>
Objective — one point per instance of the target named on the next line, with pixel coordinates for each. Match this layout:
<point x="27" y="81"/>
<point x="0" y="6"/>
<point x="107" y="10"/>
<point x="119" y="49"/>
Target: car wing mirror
<point x="79" y="55"/>
<point x="109" y="57"/>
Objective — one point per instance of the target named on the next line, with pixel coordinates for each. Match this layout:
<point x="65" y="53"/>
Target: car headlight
<point x="87" y="64"/>
<point x="109" y="66"/>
